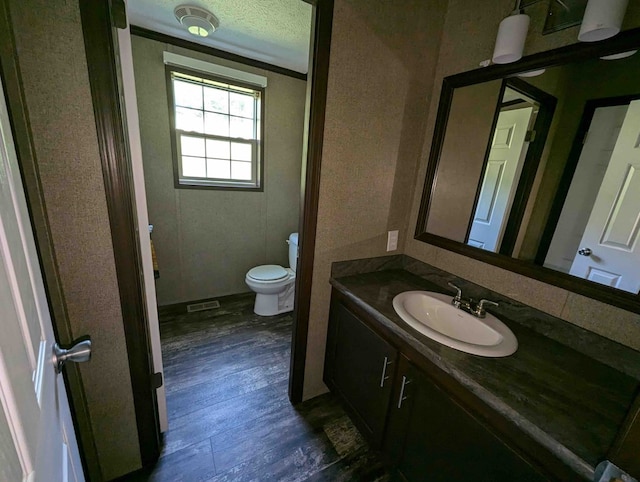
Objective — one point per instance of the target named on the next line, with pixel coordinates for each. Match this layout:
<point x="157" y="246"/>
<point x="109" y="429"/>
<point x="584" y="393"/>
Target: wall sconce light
<point x="512" y="34"/>
<point x="602" y="19"/>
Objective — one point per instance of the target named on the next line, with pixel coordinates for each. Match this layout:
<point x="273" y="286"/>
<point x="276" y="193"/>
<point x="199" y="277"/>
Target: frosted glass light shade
<point x="602" y="19"/>
<point x="512" y="34"/>
<point x="621" y="55"/>
<point x="532" y="73"/>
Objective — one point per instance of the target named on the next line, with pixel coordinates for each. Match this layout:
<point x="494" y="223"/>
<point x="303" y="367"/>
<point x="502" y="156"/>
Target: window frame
<point x="203" y="183"/>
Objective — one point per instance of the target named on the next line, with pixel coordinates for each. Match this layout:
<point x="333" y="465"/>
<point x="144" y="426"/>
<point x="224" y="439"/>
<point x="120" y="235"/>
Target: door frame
<point x="28" y="163"/>
<point x="547" y="106"/>
<point x="101" y="63"/>
<point x="546" y="109"/>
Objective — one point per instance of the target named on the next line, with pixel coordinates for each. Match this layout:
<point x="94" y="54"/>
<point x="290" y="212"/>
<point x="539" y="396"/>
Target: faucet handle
<point x="459" y="291"/>
<point x="458" y="297"/>
<point x="480" y="311"/>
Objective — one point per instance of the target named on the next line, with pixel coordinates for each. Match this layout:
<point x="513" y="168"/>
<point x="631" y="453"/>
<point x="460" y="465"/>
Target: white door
<point x="37" y="441"/>
<point x="508" y="150"/>
<point x="609" y="253"/>
<point x="593" y="162"/>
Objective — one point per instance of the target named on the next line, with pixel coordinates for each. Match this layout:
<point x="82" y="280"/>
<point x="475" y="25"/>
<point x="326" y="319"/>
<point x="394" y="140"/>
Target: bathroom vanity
<point x="551" y="411"/>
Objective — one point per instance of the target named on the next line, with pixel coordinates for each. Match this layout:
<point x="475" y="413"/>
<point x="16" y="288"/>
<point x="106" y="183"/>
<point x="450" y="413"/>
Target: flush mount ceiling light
<point x="196" y="20"/>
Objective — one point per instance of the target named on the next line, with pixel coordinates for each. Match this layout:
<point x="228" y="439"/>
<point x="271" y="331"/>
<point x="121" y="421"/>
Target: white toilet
<point x="274" y="285"/>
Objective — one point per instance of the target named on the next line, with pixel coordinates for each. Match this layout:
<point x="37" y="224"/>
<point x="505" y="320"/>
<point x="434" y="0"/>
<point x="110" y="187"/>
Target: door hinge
<point x="119" y="14"/>
<point x="157" y="380"/>
<point x="530" y="137"/>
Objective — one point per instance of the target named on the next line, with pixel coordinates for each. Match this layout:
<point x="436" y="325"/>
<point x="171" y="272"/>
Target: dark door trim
<point x="103" y="78"/>
<point x="101" y="62"/>
<point x="310" y="190"/>
<point x="28" y="162"/>
<point x="546" y="110"/>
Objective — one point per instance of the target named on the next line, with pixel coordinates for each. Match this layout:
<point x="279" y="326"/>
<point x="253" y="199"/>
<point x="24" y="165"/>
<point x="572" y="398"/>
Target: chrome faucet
<point x="476" y="309"/>
<point x="457" y="299"/>
<point x="479" y="310"/>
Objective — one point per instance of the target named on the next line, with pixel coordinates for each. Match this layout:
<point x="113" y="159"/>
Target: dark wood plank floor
<point x="230" y="419"/>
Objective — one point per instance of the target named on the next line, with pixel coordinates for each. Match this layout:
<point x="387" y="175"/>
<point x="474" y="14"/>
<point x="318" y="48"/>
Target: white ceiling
<point x="272" y="31"/>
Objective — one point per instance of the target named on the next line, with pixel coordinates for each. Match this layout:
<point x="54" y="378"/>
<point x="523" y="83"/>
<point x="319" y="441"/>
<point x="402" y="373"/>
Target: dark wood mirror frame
<point x="628" y="40"/>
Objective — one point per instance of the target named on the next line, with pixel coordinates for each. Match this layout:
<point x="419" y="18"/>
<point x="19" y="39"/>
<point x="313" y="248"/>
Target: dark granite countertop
<point x="569" y="402"/>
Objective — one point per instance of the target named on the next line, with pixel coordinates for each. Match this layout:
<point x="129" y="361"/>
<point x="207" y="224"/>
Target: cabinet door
<point x="437" y="440"/>
<point x="359" y="368"/>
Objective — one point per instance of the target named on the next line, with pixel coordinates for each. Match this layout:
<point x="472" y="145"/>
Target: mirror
<point x="535" y="167"/>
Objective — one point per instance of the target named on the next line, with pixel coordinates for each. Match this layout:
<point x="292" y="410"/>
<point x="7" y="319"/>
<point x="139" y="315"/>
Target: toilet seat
<point x="268" y="273"/>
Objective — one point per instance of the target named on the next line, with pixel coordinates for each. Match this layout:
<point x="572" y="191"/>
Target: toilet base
<point x="275" y="304"/>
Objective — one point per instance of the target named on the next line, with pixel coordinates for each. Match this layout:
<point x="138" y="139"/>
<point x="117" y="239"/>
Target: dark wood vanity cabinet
<point x="423" y="433"/>
<point x="359" y="367"/>
<point x="430" y="437"/>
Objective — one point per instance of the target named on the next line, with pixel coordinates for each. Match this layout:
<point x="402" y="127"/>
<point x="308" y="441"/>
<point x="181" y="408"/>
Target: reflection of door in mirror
<point x="610" y="252"/>
<point x="503" y="168"/>
<point x="594" y="158"/>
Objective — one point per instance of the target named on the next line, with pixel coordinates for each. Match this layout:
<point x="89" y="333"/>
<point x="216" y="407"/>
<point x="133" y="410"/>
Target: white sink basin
<point x="433" y="315"/>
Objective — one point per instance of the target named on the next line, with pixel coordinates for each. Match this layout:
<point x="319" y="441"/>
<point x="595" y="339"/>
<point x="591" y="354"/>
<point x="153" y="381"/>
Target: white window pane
<point x="192" y="146"/>
<point x="242" y="128"/>
<point x="189" y="120"/>
<point x="240" y="152"/>
<point x="241" y="105"/>
<point x="219" y="149"/>
<point x="216" y="124"/>
<point x="218" y="168"/>
<point x="216" y="100"/>
<point x="241" y="171"/>
<point x="193" y="167"/>
<point x="187" y="94"/>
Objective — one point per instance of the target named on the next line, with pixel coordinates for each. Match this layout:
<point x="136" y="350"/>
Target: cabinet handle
<point x="384" y="371"/>
<point x="405" y="382"/>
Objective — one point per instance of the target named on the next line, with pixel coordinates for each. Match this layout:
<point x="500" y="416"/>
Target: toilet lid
<point x="268" y="272"/>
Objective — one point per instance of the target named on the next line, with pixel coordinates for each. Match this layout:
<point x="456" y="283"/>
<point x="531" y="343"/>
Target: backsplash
<point x="614" y="323"/>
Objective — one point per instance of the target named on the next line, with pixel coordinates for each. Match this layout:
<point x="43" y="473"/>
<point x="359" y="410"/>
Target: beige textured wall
<point x="381" y="70"/>
<point x="460" y="168"/>
<point x="49" y="40"/>
<point x="469" y="35"/>
<point x="206" y="240"/>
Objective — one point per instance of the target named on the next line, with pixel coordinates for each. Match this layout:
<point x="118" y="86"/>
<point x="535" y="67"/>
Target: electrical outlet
<point x="392" y="240"/>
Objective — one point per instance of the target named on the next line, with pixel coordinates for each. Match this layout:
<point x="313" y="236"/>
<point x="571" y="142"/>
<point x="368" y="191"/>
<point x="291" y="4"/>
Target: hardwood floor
<point x="226" y="373"/>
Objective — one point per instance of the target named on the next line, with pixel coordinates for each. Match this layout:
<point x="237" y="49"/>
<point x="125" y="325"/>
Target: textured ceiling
<point x="272" y="31"/>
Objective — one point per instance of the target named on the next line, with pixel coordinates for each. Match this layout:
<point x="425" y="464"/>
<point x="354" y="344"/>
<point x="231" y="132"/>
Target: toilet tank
<point x="293" y="251"/>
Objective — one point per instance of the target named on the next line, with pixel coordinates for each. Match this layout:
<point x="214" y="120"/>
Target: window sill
<point x="195" y="184"/>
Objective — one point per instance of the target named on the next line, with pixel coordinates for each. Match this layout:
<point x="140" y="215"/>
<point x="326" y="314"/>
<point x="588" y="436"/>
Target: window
<point x="216" y="131"/>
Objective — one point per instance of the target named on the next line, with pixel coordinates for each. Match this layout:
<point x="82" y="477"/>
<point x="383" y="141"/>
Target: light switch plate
<point x="392" y="240"/>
